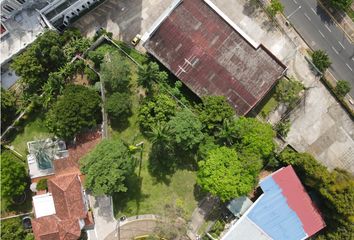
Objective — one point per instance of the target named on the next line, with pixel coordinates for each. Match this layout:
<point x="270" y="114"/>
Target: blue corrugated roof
<point x="273" y="215"/>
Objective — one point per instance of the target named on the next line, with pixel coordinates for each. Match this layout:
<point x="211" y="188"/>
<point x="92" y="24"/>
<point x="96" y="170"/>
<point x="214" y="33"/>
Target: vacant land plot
<point x="146" y="193"/>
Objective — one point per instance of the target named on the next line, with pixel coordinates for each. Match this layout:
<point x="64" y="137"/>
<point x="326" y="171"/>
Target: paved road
<point x="320" y="32"/>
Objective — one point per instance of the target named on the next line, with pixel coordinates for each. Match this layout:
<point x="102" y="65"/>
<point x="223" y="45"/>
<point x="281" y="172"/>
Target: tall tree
<point x="288" y="90"/>
<point x="8" y="107"/>
<point x="256" y="136"/>
<point x="118" y="105"/>
<point x="14" y="176"/>
<point x="76" y="109"/>
<point x="115" y="73"/>
<point x="12" y="229"/>
<point x="321" y="60"/>
<point x="186" y="129"/>
<point x="150" y="73"/>
<point x="212" y="113"/>
<point x="45" y="55"/>
<point x="156" y="110"/>
<point x="223" y="174"/>
<point x="108" y="180"/>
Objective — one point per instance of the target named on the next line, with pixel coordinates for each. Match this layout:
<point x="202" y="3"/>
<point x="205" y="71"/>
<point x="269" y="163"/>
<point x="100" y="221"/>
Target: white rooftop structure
<point x="43" y="205"/>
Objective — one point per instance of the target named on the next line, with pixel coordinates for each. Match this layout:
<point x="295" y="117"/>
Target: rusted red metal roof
<point x="212" y="58"/>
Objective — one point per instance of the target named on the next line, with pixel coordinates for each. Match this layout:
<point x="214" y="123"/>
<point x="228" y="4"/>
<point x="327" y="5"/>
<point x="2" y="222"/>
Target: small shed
<point x="239" y="206"/>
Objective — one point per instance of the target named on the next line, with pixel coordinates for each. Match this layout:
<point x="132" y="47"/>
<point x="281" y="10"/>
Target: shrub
<point x="321" y="60"/>
<point x="342" y="88"/>
<point x="42" y="184"/>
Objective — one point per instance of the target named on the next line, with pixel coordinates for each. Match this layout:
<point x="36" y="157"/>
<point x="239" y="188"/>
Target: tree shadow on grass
<point x="133" y="194"/>
<point x="164" y="162"/>
<point x="120" y="124"/>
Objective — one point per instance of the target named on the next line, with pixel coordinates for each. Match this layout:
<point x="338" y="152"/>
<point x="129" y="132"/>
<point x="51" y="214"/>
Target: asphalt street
<point x="321" y="32"/>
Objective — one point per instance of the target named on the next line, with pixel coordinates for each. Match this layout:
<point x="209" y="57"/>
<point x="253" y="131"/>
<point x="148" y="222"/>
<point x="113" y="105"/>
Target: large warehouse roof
<point x="212" y="56"/>
<point x="284" y="211"/>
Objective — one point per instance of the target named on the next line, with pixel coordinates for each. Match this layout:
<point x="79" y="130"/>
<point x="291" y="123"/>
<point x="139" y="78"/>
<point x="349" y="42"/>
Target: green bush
<point x="42" y="184"/>
<point x="321" y="60"/>
<point x="342" y="88"/>
<point x="288" y="90"/>
<point x="91" y="75"/>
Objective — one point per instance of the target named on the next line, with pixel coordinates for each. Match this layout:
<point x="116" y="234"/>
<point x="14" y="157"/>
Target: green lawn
<point x="32" y="129"/>
<point x="147" y="194"/>
<point x="269" y="107"/>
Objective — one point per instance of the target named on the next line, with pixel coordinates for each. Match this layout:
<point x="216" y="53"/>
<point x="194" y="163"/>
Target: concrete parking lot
<point x="124" y="18"/>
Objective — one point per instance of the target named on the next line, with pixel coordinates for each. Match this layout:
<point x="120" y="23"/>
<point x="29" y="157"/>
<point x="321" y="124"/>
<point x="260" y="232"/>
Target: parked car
<point x="136" y="40"/>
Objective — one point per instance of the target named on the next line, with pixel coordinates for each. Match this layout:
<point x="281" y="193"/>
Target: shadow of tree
<point x="133" y="193"/>
<point x="120" y="124"/>
<point x="251" y="8"/>
<point x="324" y="15"/>
<point x="164" y="161"/>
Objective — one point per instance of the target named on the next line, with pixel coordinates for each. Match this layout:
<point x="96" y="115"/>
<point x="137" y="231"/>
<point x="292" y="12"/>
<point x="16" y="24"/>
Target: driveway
<point x="124" y="18"/>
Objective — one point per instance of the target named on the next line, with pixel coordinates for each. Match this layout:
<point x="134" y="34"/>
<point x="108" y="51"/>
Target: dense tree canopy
<point x="150" y="73"/>
<point x="118" y="105"/>
<point x="115" y="73"/>
<point x="8" y="107"/>
<point x="287" y="91"/>
<point x="45" y="55"/>
<point x="76" y="109"/>
<point x="13" y="176"/>
<point x="340" y="4"/>
<point x="255" y="136"/>
<point x="156" y="110"/>
<point x="107" y="167"/>
<point x="213" y="111"/>
<point x="335" y="191"/>
<point x="321" y="60"/>
<point x="185" y="129"/>
<point x="224" y="174"/>
<point x="12" y="229"/>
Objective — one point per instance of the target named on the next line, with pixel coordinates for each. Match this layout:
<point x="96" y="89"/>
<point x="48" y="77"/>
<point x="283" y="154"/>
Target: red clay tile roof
<point x="67" y="195"/>
<point x="212" y="58"/>
<point x="46" y="228"/>
<point x="69" y="206"/>
<point x="52" y="228"/>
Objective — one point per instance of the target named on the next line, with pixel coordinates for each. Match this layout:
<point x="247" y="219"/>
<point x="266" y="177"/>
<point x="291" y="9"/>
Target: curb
<point x="333" y="18"/>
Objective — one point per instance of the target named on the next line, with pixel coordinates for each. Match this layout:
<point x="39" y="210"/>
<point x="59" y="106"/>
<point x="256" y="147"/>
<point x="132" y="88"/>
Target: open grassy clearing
<point x="32" y="129"/>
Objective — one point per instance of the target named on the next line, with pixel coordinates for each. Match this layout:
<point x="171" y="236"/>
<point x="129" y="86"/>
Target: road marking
<point x="321" y="34"/>
<point x="313" y="10"/>
<point x="307" y="17"/>
<point x="349" y="67"/>
<point x="335" y="50"/>
<point x="341" y="44"/>
<point x="295" y="1"/>
<point x="328" y="28"/>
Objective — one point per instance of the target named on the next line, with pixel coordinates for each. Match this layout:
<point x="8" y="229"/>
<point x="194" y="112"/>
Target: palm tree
<point x="159" y="135"/>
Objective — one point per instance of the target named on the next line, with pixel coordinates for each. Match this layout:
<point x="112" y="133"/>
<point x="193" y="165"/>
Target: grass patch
<point x="33" y="128"/>
<point x="147" y="195"/>
<point x="269" y="107"/>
